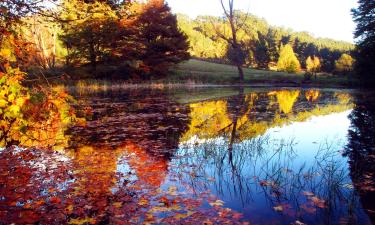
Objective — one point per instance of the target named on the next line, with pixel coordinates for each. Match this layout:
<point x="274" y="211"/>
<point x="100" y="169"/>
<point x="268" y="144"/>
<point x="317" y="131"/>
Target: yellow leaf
<point x="217" y="203"/>
<point x="183" y="216"/>
<point x="143" y="202"/>
<point x="82" y="221"/>
<point x="70" y="208"/>
<point x="117" y="204"/>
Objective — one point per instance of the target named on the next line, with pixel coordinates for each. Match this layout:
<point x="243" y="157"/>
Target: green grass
<point x="212" y="73"/>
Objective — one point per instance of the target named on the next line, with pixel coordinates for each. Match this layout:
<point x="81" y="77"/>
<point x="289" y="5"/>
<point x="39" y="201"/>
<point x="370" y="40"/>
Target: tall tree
<point x="235" y="23"/>
<point x="162" y="43"/>
<point x="364" y="16"/>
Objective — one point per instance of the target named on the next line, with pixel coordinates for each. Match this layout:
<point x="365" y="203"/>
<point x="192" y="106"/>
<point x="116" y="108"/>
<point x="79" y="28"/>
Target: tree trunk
<point x="92" y="56"/>
<point x="241" y="74"/>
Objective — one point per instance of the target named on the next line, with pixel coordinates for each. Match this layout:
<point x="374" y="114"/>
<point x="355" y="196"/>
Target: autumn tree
<point x="364" y="17"/>
<point x="288" y="61"/>
<point x="162" y="43"/>
<point x="344" y="64"/>
<point x="88" y="30"/>
<point x="313" y="65"/>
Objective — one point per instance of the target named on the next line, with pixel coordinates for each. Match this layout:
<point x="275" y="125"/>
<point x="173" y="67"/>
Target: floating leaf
<point x="308" y="194"/>
<point x="318" y="202"/>
<point x="217" y="203"/>
<point x="117" y="204"/>
<point x="82" y="221"/>
<point x="278" y="208"/>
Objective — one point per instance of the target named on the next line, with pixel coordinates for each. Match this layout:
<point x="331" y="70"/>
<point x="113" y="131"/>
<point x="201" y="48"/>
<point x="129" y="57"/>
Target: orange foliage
<point x="150" y="170"/>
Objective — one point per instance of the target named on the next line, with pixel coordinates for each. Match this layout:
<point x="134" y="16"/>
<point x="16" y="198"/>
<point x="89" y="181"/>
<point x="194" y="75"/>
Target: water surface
<point x="213" y="155"/>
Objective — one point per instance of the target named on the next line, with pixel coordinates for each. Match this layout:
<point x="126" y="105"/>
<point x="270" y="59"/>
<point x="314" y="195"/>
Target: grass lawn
<point x="206" y="72"/>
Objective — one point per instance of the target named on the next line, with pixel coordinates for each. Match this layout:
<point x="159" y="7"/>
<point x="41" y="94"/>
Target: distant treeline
<point x="261" y="43"/>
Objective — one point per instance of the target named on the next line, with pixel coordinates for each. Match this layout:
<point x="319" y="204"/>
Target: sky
<point x="322" y="18"/>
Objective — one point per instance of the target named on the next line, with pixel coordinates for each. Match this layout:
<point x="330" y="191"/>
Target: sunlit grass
<point x="207" y="72"/>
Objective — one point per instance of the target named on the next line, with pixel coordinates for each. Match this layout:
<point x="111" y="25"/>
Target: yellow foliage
<point x="33" y="118"/>
<point x="82" y="221"/>
<point x="207" y="119"/>
<point x="288" y="61"/>
<point x="312" y="95"/>
<point x="312" y="64"/>
<point x="286" y="99"/>
<point x="344" y="63"/>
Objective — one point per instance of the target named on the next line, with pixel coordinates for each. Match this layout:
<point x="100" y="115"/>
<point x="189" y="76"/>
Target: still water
<point x="198" y="156"/>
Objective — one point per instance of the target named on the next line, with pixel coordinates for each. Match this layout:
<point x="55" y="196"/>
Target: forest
<point x="262" y="43"/>
<point x="140" y="41"/>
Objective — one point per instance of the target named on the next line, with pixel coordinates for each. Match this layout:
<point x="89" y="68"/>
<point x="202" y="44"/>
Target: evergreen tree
<point x="288" y="61"/>
<point x="162" y="42"/>
<point x="364" y="16"/>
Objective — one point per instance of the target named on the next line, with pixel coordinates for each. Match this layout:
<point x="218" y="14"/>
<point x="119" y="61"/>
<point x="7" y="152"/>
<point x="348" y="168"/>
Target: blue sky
<point x="323" y="18"/>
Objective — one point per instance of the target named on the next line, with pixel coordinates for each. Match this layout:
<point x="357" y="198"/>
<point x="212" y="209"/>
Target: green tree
<point x="344" y="63"/>
<point x="288" y="61"/>
<point x="364" y="16"/>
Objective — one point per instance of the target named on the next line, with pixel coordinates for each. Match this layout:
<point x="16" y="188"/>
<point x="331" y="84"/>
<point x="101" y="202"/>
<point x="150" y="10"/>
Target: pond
<point x="198" y="156"/>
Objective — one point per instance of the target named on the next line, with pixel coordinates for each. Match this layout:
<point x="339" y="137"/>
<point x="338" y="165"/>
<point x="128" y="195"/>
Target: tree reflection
<point x="361" y="152"/>
<point x="286" y="99"/>
<point x="255" y="112"/>
<point x="312" y="95"/>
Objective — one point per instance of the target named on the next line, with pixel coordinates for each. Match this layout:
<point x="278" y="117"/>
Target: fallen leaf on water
<point x="298" y="223"/>
<point x="211" y="179"/>
<point x="217" y="203"/>
<point x="143" y="202"/>
<point x="237" y="216"/>
<point x="278" y="208"/>
<point x="55" y="200"/>
<point x="318" y="202"/>
<point x="117" y="204"/>
<point x="70" y="208"/>
<point x="82" y="221"/>
<point x="264" y="183"/>
<point x="348" y="186"/>
<point x="183" y="216"/>
<point x="164" y="200"/>
<point x="308" y="194"/>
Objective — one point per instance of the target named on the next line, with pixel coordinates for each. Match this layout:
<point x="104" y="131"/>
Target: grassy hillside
<point x="206" y="72"/>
